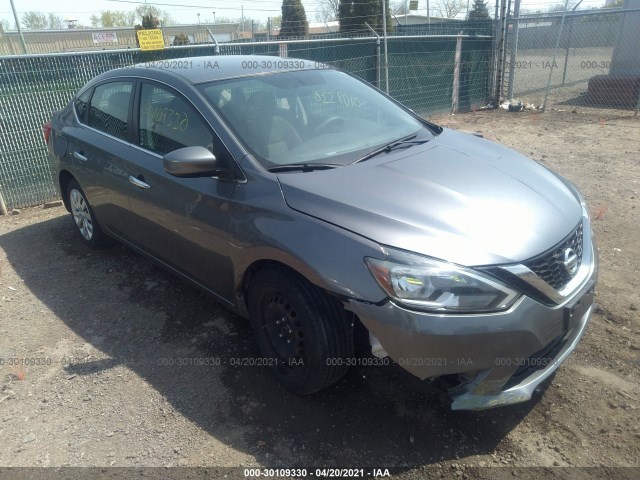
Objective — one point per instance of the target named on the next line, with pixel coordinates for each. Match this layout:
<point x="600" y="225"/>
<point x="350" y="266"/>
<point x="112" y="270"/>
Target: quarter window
<point x="110" y="108"/>
<point x="167" y="122"/>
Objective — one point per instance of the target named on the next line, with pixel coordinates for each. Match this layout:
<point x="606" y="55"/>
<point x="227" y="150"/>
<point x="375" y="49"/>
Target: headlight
<point x="430" y="284"/>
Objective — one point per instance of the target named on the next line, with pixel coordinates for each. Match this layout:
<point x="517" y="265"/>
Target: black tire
<point x="284" y="306"/>
<point x="83" y="217"/>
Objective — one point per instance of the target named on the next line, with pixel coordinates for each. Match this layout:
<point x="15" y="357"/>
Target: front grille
<point x="550" y="267"/>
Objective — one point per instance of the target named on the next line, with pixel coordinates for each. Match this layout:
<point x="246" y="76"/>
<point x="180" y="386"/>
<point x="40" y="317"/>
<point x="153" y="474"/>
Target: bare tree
<point x="4" y="25"/>
<point x="327" y="10"/>
<point x="450" y="8"/>
<point x="399" y="7"/>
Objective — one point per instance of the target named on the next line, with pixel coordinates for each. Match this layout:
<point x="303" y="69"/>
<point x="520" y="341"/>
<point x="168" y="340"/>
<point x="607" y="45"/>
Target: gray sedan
<point x="331" y="216"/>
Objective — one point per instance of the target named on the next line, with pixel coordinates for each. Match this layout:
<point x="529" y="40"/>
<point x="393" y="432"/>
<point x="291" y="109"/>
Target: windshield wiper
<point x="403" y="142"/>
<point x="303" y="167"/>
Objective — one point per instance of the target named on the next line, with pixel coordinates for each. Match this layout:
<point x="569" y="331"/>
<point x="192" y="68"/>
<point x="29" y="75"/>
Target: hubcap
<point x="284" y="330"/>
<point x="81" y="215"/>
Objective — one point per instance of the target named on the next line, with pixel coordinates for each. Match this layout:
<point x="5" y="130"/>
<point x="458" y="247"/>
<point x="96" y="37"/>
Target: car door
<point x="183" y="222"/>
<point x="98" y="146"/>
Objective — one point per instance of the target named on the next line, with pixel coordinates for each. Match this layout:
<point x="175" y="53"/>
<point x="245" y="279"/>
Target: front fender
<point x="264" y="228"/>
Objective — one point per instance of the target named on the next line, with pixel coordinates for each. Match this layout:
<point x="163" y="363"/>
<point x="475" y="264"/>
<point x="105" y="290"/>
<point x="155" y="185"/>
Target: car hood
<point x="459" y="198"/>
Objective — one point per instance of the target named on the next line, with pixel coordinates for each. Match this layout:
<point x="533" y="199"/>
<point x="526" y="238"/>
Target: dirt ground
<point x="130" y="367"/>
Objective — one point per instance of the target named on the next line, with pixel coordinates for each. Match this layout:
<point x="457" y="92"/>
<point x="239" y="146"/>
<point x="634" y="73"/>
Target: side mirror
<point x="190" y="162"/>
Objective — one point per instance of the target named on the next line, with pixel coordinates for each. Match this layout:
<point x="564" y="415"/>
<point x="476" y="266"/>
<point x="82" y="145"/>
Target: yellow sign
<point x="150" y="39"/>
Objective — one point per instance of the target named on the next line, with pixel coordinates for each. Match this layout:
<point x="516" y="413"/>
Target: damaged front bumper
<point x="500" y="357"/>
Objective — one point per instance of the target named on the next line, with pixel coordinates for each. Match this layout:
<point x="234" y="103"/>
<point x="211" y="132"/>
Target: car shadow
<point x="201" y="358"/>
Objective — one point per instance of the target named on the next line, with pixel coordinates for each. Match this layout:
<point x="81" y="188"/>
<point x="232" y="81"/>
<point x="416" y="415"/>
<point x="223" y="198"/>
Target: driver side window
<point x="167" y="122"/>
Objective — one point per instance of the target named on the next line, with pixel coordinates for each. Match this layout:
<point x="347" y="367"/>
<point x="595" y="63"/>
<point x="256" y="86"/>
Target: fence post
<point x="386" y="50"/>
<point x="566" y="51"/>
<point x="455" y="91"/>
<point x="494" y="48"/>
<point x="514" y="49"/>
<point x="378" y="64"/>
<point x="3" y="207"/>
<point x="507" y="18"/>
<point x="546" y="94"/>
<point x="501" y="50"/>
<point x="15" y="16"/>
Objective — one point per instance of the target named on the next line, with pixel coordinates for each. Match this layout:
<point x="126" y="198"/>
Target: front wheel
<point x="301" y="331"/>
<point x="84" y="218"/>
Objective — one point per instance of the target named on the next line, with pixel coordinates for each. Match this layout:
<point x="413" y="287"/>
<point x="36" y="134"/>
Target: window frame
<point x="85" y="121"/>
<point x="169" y="89"/>
<point x="82" y="119"/>
<point x="234" y="172"/>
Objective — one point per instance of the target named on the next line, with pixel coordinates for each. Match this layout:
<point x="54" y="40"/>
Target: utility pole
<point x="15" y="17"/>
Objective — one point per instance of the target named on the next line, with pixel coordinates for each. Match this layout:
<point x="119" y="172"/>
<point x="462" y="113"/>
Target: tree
<point x="113" y="18"/>
<point x="54" y="22"/>
<point x="255" y="22"/>
<point x="294" y="19"/>
<point x="180" y="39"/>
<point x="354" y="15"/>
<point x="450" y="8"/>
<point x="154" y="12"/>
<point x="328" y="10"/>
<point x="479" y="11"/>
<point x="4" y="25"/>
<point x="149" y="22"/>
<point x="34" y="20"/>
<point x="276" y="22"/>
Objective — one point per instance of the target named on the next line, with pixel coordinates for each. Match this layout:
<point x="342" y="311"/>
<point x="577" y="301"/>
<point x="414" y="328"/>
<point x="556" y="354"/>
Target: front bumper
<point x="502" y="357"/>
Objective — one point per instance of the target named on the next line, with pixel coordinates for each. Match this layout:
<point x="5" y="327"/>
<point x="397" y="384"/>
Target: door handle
<point x="80" y="156"/>
<point x="138" y="183"/>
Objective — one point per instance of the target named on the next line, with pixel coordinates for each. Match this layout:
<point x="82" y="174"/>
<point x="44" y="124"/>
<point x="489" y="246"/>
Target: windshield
<point x="317" y="116"/>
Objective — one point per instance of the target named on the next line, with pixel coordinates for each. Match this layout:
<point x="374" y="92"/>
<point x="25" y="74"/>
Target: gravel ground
<point x="126" y="366"/>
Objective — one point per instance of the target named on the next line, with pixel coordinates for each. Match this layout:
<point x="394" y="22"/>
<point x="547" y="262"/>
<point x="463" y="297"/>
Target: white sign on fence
<point x="105" y="37"/>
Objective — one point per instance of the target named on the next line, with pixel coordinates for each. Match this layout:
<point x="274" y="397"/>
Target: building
<point x="85" y="39"/>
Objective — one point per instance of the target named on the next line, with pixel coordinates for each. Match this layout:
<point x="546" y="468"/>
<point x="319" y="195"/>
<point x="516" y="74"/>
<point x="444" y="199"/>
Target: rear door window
<point x="109" y="110"/>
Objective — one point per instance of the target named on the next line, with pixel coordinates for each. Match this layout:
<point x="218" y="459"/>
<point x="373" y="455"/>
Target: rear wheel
<point x="301" y="331"/>
<point x="83" y="217"/>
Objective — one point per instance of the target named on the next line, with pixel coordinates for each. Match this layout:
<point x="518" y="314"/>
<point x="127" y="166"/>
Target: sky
<point x="186" y="11"/>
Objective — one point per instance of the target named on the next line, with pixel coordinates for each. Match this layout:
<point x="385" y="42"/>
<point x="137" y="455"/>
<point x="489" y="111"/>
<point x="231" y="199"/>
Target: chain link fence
<point x="574" y="59"/>
<point x="430" y="74"/>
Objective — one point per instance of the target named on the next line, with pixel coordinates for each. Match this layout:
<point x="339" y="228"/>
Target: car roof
<point x="218" y="67"/>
